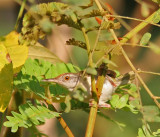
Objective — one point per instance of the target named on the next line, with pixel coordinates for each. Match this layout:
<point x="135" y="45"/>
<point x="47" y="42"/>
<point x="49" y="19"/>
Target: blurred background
<point x="142" y="58"/>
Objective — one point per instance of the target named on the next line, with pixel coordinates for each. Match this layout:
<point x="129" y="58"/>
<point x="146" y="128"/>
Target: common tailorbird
<point x="71" y="80"/>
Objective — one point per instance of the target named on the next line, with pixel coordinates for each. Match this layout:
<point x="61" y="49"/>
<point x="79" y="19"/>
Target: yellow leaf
<point x="6" y="78"/>
<point x="18" y="53"/>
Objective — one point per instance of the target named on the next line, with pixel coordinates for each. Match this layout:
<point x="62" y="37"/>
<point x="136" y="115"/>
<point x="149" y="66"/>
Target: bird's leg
<point x="104" y="105"/>
<point x="100" y="104"/>
<point x="90" y="102"/>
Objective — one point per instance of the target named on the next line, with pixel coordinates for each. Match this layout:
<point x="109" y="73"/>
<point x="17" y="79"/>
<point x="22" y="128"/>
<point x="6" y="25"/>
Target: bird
<point x="70" y="81"/>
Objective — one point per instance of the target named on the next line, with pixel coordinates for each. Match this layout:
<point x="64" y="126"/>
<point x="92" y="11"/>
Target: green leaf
<point x="122" y="101"/>
<point x="132" y="90"/>
<point x="151" y="113"/>
<point x="135" y="103"/>
<point x="68" y="104"/>
<point x="140" y="133"/>
<point x="156" y="17"/>
<point x="28" y="116"/>
<point x="46" y="25"/>
<point x="40" y="52"/>
<point x="114" y="101"/>
<point x="72" y="15"/>
<point x="145" y="39"/>
<point x="157" y="133"/>
<point x="91" y="71"/>
<point x="147" y="130"/>
<point x="107" y="61"/>
<point x="58" y="92"/>
<point x="34" y="71"/>
<point x="117" y="73"/>
<point x="76" y="104"/>
<point x="79" y="94"/>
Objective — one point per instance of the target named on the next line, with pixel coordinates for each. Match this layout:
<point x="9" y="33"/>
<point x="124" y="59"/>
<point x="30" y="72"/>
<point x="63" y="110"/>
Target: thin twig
<point x="104" y="56"/>
<point x="137" y="28"/>
<point x="64" y="124"/>
<point x="20" y="14"/>
<point x="130" y="18"/>
<point x="88" y="46"/>
<point x="135" y="45"/>
<point x="96" y="42"/>
<point x="139" y="77"/>
<point x="94" y="47"/>
<point x="140" y="101"/>
<point x="148" y="72"/>
<point x="125" y="39"/>
<point x="119" y="19"/>
<point x="20" y="3"/>
<point x="155" y="97"/>
<point x="122" y="44"/>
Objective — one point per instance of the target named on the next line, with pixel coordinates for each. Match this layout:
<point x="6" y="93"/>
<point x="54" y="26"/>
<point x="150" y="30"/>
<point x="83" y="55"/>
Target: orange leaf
<point x="109" y="8"/>
<point x="98" y="20"/>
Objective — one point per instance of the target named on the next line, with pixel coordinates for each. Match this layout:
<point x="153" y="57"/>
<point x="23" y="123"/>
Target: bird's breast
<point x="107" y="90"/>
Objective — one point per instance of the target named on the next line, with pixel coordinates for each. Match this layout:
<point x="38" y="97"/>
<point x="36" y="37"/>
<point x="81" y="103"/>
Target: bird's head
<point x="67" y="80"/>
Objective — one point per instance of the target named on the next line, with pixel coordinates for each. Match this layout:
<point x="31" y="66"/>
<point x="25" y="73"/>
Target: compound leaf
<point x="29" y="115"/>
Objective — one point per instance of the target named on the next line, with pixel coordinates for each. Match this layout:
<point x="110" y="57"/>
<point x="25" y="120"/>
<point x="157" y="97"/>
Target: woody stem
<point x="94" y="108"/>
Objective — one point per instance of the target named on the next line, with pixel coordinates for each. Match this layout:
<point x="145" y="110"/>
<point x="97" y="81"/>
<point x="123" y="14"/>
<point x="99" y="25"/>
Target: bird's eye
<point x="66" y="77"/>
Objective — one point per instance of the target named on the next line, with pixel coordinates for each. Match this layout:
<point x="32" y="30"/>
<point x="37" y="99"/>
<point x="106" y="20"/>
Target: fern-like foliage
<point x="87" y="6"/>
<point x="29" y="79"/>
<point x="29" y="115"/>
<point x="76" y="43"/>
<point x="94" y="13"/>
<point x="39" y="21"/>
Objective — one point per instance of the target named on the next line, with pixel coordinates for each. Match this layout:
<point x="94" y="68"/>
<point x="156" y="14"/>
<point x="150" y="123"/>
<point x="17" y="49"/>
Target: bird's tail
<point x="126" y="78"/>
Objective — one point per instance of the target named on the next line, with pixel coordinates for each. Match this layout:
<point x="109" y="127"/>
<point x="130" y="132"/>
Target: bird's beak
<point x="50" y="80"/>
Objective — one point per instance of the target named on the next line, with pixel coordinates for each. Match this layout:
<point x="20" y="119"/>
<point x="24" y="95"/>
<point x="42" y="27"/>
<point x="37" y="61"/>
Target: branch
<point x="88" y="46"/>
<point x="93" y="110"/>
<point x="137" y="28"/>
<point x="64" y="124"/>
<point x="125" y="39"/>
<point x="95" y="92"/>
<point x="140" y="102"/>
